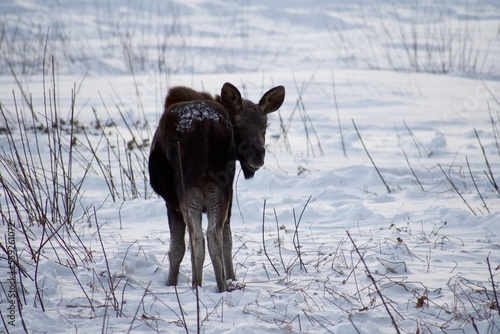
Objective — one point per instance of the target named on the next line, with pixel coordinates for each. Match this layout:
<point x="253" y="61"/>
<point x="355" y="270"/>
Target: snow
<point x="427" y="227"/>
<point x="195" y="112"/>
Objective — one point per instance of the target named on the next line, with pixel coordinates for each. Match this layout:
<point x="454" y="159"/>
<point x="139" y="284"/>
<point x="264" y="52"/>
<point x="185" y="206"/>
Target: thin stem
<point x="413" y="172"/>
<point x="338" y="116"/>
<point x="493" y="285"/>
<point x="264" y="240"/>
<point x="369" y="156"/>
<point x="374" y="284"/>
<point x="490" y="172"/>
<point x="456" y="190"/>
<point x="475" y="185"/>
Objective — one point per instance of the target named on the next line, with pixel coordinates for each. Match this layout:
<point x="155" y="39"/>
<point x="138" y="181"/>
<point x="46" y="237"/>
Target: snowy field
<point x="378" y="208"/>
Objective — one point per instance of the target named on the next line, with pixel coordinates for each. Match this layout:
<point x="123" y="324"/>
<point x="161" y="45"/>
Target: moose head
<point x="250" y="122"/>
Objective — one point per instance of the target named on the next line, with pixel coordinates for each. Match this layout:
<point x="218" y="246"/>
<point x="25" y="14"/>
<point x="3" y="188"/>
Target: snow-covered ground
<point x="324" y="242"/>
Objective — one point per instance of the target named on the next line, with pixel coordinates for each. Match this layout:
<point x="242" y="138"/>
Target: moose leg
<point x="227" y="249"/>
<point x="217" y="214"/>
<point x="177" y="244"/>
<point x="193" y="209"/>
<point x="227" y="243"/>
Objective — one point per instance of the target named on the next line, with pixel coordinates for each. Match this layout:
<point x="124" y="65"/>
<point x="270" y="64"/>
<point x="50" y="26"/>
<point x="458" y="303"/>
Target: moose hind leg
<point x="177" y="244"/>
<point x="217" y="213"/>
<point x="192" y="207"/>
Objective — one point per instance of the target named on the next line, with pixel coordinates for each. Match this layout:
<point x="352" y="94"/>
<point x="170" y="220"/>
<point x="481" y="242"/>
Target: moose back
<point x="192" y="167"/>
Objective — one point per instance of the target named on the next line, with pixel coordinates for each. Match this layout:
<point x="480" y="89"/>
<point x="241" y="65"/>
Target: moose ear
<point x="272" y="100"/>
<point x="231" y="98"/>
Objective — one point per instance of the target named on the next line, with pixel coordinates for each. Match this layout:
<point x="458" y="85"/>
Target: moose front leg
<point x="227" y="241"/>
<point x="227" y="249"/>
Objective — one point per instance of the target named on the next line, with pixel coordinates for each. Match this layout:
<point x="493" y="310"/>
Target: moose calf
<point x="192" y="166"/>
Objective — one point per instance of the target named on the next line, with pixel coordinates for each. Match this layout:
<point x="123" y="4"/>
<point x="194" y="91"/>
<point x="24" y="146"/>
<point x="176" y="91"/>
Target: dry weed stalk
<point x="369" y="156"/>
<point x="396" y="327"/>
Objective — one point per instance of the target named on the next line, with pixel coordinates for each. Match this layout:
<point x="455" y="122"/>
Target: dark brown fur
<point x="185" y="94"/>
<point x="192" y="166"/>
